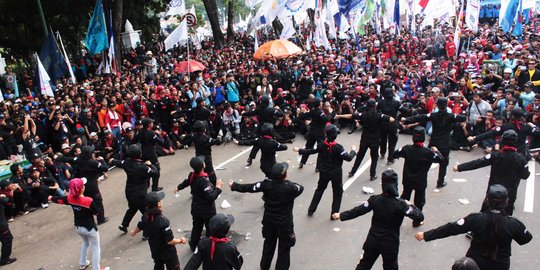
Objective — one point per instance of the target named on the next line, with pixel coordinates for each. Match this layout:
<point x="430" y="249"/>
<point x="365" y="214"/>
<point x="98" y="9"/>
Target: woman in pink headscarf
<point x="84" y="210"/>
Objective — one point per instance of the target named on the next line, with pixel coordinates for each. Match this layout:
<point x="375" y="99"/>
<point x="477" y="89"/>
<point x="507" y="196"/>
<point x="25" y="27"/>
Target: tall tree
<point x="212" y="13"/>
<point x="230" y="21"/>
<point x="118" y="19"/>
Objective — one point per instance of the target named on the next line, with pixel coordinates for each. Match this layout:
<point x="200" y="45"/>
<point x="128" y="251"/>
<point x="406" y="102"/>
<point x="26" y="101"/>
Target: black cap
<point x="147" y="121"/>
<point x="4" y="183"/>
<point x="389" y="177"/>
<point x="197" y="163"/>
<point x="220" y="224"/>
<point x="510" y="137"/>
<point x="267" y="128"/>
<point x="497" y="193"/>
<point x="199" y="125"/>
<point x="279" y="169"/>
<point x="442" y="102"/>
<point x="129" y="129"/>
<point x="419" y="134"/>
<point x="134" y="151"/>
<point x="138" y="123"/>
<point x="371" y="103"/>
<point x="153" y="198"/>
<point x="33" y="169"/>
<point x="529" y="84"/>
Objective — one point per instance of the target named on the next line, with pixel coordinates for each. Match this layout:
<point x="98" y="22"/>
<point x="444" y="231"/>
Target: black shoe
<point x="30" y="209"/>
<point x="249" y="161"/>
<point x="351" y="131"/>
<point x="144" y="238"/>
<point x="382" y="156"/>
<point x="103" y="221"/>
<point x="301" y="165"/>
<point x="351" y="174"/>
<point x="441" y="185"/>
<point x="310" y="214"/>
<point x="157" y="189"/>
<point x="373" y="178"/>
<point x="122" y="228"/>
<point x="8" y="261"/>
<point x="469" y="235"/>
<point x="389" y="162"/>
<point x="417" y="224"/>
<point x="316" y="170"/>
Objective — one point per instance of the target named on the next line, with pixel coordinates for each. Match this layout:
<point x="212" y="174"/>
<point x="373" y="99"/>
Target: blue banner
<point x="96" y="39"/>
<point x="52" y="59"/>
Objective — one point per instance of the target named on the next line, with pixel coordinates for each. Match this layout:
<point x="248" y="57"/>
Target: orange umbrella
<point x="189" y="66"/>
<point x="279" y="48"/>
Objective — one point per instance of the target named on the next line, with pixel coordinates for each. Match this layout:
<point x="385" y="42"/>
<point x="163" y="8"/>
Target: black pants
<point x="155" y="178"/>
<point x="98" y="200"/>
<point x="371" y="253"/>
<point x="388" y="135"/>
<point x="311" y="140"/>
<point x="253" y="152"/>
<point x="6" y="238"/>
<point x="209" y="169"/>
<point x="39" y="195"/>
<point x="287" y="239"/>
<point x="135" y="203"/>
<point x="337" y="192"/>
<point x="198" y="223"/>
<point x="171" y="264"/>
<point x="445" y="152"/>
<point x="419" y="195"/>
<point x="20" y="198"/>
<point x="374" y="153"/>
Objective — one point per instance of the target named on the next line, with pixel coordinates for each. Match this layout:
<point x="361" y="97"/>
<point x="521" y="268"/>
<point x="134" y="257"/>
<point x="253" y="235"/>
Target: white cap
<point x="149" y="53"/>
<point x="93" y="134"/>
<point x="508" y="70"/>
<point x="65" y="145"/>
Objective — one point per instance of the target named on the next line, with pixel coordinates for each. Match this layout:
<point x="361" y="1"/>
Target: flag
<point x="15" y="88"/>
<point x="176" y="7"/>
<point x="473" y="11"/>
<point x="423" y="3"/>
<point x="252" y="3"/>
<point x="509" y="15"/>
<point x="179" y="35"/>
<point x="320" y="37"/>
<point x="332" y="33"/>
<point x="66" y="58"/>
<point x="396" y="16"/>
<point x="288" y="29"/>
<point x="518" y="29"/>
<point x="345" y="6"/>
<point x="365" y="17"/>
<point x="256" y="42"/>
<point x="52" y="60"/>
<point x="44" y="80"/>
<point x="112" y="54"/>
<point x="271" y="9"/>
<point x="96" y="39"/>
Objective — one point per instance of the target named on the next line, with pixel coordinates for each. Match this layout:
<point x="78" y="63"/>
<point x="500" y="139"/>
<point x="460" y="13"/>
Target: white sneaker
<point x="11" y="219"/>
<point x="44" y="205"/>
<point x="82" y="267"/>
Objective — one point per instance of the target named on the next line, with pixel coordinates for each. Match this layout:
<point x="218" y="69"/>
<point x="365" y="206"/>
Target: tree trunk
<point x="230" y="22"/>
<point x="211" y="11"/>
<point x="118" y="9"/>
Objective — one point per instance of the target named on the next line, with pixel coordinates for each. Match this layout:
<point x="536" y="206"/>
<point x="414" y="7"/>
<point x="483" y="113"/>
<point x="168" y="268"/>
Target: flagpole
<point x="42" y="16"/>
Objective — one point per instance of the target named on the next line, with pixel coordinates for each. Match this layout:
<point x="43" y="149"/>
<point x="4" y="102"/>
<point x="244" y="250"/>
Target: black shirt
<point x="158" y="230"/>
<point x="84" y="210"/>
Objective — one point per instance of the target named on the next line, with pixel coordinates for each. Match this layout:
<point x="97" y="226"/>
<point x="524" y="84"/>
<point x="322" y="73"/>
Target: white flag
<point x="320" y="37"/>
<point x="332" y="33"/>
<point x="178" y="36"/>
<point x="472" y="13"/>
<point x="252" y="3"/>
<point x="176" y="7"/>
<point x="67" y="59"/>
<point x="44" y="80"/>
<point x="256" y="42"/>
<point x="288" y="29"/>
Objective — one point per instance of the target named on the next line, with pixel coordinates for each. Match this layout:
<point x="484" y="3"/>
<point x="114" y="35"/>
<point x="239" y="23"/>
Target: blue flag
<point x="345" y="6"/>
<point x="509" y="15"/>
<point x="96" y="39"/>
<point x="396" y="16"/>
<point x="52" y="59"/>
<point x="518" y="29"/>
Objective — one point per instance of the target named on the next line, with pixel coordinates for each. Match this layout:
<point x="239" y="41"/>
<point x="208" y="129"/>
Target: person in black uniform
<point x="138" y="174"/>
<point x="6" y="238"/>
<point x="84" y="208"/>
<point x="508" y="167"/>
<point x="316" y="127"/>
<point x="388" y="213"/>
<point x="332" y="156"/>
<point x="265" y="114"/>
<point x="371" y="121"/>
<point x="90" y="168"/>
<point x="442" y="122"/>
<point x="203" y="147"/>
<point x="160" y="235"/>
<point x="216" y="252"/>
<point x="279" y="195"/>
<point x="128" y="139"/>
<point x="388" y="106"/>
<point x="203" y="206"/>
<point x="268" y="147"/>
<point x="516" y="123"/>
<point x="148" y="138"/>
<point x="418" y="160"/>
<point x="493" y="232"/>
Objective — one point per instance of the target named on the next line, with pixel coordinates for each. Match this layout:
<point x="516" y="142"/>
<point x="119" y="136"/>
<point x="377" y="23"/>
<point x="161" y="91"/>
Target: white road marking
<point x="357" y="174"/>
<point x="529" y="188"/>
<point x="220" y="166"/>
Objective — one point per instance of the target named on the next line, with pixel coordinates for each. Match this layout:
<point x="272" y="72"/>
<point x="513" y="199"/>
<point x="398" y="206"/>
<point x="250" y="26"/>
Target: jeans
<point x="90" y="238"/>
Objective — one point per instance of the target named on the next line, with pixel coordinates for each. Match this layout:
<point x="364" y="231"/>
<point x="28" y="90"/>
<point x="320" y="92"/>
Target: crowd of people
<point x="465" y="97"/>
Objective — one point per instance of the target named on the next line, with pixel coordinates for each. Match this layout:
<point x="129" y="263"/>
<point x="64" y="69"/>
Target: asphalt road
<point x="46" y="238"/>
